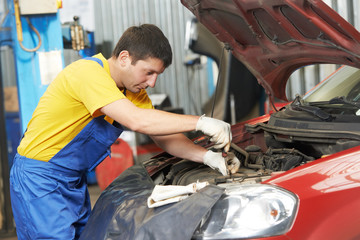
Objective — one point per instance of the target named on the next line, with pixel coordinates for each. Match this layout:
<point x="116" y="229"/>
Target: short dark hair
<point x="144" y="41"/>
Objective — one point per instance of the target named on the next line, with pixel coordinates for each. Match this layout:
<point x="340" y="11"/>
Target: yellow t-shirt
<point x="69" y="104"/>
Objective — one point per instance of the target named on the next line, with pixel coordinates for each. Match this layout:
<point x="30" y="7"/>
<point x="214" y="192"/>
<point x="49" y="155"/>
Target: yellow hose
<point x="18" y="21"/>
<point x="19" y="29"/>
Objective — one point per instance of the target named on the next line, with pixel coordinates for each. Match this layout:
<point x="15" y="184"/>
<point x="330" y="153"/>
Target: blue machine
<point x="38" y="50"/>
<point x="37" y="38"/>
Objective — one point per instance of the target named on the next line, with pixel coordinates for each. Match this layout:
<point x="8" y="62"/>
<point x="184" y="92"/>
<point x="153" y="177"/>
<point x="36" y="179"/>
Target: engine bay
<point x="288" y="139"/>
<point x="256" y="166"/>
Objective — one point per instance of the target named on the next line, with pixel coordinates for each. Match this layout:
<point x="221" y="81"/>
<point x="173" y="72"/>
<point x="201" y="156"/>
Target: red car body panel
<point x="328" y="189"/>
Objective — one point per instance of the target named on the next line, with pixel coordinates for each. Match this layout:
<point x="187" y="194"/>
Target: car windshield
<point x="343" y="85"/>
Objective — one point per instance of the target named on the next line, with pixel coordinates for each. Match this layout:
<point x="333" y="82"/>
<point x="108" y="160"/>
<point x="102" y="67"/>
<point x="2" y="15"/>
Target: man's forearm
<point x="180" y="146"/>
<point x="149" y="121"/>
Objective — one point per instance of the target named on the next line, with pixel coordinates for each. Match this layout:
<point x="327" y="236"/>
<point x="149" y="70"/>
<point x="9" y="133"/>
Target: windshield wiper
<point x="298" y="104"/>
<point x="342" y="100"/>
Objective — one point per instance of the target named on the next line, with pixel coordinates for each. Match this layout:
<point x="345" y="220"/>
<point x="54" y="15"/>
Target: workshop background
<point x="187" y="86"/>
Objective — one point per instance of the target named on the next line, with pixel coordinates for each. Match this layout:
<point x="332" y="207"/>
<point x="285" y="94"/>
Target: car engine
<point x="289" y="138"/>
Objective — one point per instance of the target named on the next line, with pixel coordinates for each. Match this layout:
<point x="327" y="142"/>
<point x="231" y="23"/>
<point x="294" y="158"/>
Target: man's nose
<point x="152" y="81"/>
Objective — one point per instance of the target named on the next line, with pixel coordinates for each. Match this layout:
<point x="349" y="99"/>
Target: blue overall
<point x="50" y="200"/>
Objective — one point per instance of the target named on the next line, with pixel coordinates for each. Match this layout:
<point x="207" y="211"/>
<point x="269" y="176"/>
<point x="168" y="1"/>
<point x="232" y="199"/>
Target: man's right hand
<point x="215" y="160"/>
<point x="219" y="131"/>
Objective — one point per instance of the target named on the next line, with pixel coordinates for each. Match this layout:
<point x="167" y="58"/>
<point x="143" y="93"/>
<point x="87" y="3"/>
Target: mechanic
<point x="80" y="116"/>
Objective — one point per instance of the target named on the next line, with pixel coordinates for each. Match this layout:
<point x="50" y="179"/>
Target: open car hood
<point x="273" y="38"/>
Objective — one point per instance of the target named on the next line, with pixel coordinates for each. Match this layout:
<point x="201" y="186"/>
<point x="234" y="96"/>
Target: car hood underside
<point x="273" y="38"/>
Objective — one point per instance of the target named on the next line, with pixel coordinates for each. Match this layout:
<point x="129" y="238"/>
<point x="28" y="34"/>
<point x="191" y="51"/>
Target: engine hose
<point x="243" y="152"/>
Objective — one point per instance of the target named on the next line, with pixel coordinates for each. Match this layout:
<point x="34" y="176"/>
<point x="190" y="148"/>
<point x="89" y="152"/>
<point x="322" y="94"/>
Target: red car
<point x="300" y="166"/>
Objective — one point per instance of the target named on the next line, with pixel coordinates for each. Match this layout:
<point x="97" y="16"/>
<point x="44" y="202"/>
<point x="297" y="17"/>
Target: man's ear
<point x="124" y="57"/>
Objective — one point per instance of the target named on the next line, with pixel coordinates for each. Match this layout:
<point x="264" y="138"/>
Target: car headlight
<point x="249" y="211"/>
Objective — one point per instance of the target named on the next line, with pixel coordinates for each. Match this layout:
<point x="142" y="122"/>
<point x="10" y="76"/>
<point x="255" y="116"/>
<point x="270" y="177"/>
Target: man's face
<point x="143" y="74"/>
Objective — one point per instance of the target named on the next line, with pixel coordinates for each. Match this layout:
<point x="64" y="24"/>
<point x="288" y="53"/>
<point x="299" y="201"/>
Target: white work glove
<point x="219" y="131"/>
<point x="216" y="161"/>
